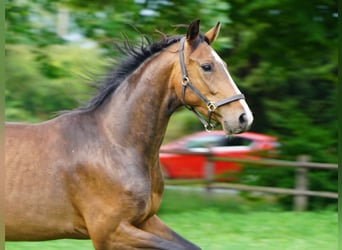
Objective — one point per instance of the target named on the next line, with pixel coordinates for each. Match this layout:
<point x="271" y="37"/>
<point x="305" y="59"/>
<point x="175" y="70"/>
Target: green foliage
<point x="285" y="58"/>
<point x="323" y="180"/>
<point x="31" y="22"/>
<point x="282" y="55"/>
<point x="318" y="180"/>
<point x="49" y="80"/>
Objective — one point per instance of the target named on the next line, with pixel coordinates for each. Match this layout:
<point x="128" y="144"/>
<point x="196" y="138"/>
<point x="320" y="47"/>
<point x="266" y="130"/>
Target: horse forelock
<point x="201" y="38"/>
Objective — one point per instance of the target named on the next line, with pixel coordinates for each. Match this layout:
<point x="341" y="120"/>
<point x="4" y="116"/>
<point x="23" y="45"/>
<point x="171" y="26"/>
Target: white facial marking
<point x="220" y="61"/>
<point x="236" y="89"/>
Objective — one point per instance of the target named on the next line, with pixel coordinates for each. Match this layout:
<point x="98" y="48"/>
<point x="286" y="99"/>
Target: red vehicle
<point x="245" y="145"/>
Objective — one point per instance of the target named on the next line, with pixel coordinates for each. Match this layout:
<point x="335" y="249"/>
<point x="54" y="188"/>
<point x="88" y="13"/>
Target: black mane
<point x="132" y="58"/>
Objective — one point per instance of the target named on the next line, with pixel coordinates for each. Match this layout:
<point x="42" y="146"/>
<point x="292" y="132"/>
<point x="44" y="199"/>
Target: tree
<point x="285" y="56"/>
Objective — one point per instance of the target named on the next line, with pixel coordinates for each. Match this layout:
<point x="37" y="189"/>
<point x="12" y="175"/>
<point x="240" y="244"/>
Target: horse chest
<point x="130" y="189"/>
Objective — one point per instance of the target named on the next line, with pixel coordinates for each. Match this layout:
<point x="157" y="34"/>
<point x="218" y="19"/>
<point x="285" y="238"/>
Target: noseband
<point x="212" y="106"/>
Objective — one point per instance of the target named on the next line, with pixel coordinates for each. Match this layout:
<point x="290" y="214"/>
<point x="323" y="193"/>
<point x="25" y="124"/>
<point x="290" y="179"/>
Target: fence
<point x="300" y="191"/>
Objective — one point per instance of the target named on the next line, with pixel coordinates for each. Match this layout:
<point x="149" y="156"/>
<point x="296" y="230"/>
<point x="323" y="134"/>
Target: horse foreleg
<point x="155" y="226"/>
<point x="129" y="237"/>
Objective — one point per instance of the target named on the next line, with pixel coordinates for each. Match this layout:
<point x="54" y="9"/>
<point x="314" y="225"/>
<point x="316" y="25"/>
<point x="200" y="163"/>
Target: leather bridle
<point x="212" y="106"/>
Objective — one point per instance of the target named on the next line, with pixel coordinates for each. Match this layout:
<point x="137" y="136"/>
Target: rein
<point x="212" y="106"/>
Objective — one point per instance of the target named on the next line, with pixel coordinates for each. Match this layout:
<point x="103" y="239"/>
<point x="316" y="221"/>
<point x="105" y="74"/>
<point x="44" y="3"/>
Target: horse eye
<point x="206" y="67"/>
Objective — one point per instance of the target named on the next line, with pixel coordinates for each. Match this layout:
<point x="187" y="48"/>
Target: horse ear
<point x="193" y="30"/>
<point x="213" y="33"/>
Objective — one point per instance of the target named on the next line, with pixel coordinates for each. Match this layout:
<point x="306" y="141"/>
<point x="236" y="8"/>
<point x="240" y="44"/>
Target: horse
<point x="93" y="172"/>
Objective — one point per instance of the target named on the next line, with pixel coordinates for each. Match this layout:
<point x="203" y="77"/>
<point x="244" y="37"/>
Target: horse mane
<point x="131" y="57"/>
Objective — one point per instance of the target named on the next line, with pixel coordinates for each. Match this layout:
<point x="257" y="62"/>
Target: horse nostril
<point x="243" y="121"/>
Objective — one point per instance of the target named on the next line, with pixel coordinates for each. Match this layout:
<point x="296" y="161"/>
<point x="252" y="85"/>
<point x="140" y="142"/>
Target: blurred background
<point x="281" y="54"/>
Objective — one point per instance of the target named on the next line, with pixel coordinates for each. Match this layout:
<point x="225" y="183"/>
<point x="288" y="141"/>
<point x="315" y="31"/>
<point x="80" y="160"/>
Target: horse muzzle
<point x="236" y="120"/>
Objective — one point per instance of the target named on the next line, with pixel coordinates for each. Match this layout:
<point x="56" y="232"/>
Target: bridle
<point x="212" y="106"/>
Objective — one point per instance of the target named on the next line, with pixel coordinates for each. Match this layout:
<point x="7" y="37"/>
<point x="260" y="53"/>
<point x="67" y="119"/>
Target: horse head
<point x="206" y="85"/>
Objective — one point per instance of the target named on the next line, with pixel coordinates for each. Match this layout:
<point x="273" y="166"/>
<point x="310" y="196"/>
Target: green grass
<point x="51" y="245"/>
<point x="215" y="230"/>
<point x="221" y="222"/>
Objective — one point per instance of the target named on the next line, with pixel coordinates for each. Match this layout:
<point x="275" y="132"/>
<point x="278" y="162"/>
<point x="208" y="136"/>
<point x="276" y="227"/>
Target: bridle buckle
<point x="185" y="81"/>
<point x="211" y="106"/>
<point x="209" y="127"/>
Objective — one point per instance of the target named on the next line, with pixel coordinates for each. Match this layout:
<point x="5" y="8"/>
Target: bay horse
<point x="93" y="172"/>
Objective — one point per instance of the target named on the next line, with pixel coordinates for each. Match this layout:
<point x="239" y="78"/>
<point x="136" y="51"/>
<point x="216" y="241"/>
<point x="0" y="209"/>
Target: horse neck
<point x="137" y="114"/>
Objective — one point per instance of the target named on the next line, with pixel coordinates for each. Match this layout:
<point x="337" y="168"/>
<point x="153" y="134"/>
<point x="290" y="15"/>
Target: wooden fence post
<point x="301" y="184"/>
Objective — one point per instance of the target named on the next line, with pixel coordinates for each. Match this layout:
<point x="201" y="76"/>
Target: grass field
<point x="222" y="222"/>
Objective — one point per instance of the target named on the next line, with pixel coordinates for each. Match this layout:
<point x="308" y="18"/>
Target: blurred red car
<point x="244" y="145"/>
